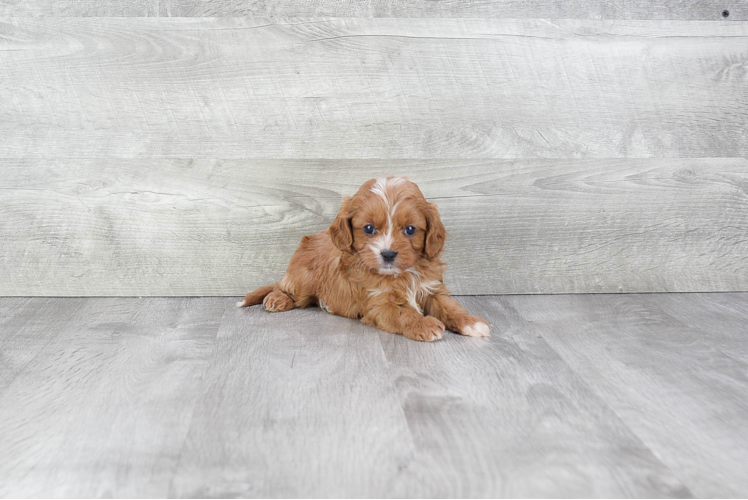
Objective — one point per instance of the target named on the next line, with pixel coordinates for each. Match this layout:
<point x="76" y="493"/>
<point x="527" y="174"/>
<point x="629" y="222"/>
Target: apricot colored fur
<point x="341" y="269"/>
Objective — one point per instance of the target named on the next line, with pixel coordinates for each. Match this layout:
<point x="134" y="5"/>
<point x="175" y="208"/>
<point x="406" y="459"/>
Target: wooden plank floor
<point x="574" y="395"/>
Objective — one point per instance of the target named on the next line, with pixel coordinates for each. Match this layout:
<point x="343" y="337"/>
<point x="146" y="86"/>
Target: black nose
<point x="389" y="255"/>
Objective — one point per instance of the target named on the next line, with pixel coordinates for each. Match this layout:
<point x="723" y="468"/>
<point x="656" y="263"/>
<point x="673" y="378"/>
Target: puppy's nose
<point x="389" y="255"/>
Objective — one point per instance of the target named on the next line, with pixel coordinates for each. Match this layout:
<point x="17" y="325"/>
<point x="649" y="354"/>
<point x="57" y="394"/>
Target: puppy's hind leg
<point x="278" y="301"/>
<point x="294" y="290"/>
<point x="271" y="296"/>
<point x="253" y="298"/>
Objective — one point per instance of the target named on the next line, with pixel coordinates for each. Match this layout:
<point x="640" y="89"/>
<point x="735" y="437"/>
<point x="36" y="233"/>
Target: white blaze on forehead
<point x="384" y="242"/>
<point x="381" y="185"/>
<point x="380" y="189"/>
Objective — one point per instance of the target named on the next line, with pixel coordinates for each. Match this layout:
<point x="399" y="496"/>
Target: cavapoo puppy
<point x="378" y="261"/>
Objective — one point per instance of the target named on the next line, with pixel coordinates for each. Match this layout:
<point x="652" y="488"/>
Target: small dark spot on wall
<point x="725" y="13"/>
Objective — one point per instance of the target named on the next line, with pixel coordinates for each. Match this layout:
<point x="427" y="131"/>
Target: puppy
<point x="378" y="261"/>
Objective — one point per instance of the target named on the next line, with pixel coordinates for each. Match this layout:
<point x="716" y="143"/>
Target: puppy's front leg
<point x="457" y="319"/>
<point x="404" y="321"/>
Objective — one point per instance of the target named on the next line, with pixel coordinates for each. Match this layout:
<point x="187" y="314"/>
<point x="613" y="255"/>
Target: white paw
<point x="477" y="329"/>
<point x="240" y="303"/>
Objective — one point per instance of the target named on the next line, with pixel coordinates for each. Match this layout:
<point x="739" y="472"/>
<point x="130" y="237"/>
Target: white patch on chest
<point x="419" y="289"/>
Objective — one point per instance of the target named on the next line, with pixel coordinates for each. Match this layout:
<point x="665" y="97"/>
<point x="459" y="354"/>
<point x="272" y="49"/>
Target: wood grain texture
<point x="489" y="419"/>
<point x="26" y="327"/>
<point x="223" y="227"/>
<point x="371" y="88"/>
<point x="298" y="405"/>
<point x="104" y="406"/>
<point x="582" y="9"/>
<point x="188" y="397"/>
<point x="736" y="303"/>
<point x="718" y="316"/>
<point x="640" y="360"/>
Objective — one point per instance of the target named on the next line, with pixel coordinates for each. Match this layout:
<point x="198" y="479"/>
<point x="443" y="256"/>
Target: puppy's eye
<point x="369" y="229"/>
<point x="410" y="231"/>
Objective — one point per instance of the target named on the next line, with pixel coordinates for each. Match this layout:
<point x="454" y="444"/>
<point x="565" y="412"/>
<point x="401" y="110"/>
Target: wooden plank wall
<point x="571" y="149"/>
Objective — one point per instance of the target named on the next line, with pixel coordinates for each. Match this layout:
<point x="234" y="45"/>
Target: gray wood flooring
<point x="573" y="395"/>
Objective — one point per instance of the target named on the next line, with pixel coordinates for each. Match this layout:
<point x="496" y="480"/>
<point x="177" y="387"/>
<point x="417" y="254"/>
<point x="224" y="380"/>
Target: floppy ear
<point x="341" y="231"/>
<point x="436" y="235"/>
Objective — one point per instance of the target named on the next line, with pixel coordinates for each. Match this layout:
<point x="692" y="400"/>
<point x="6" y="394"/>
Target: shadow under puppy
<point x="378" y="261"/>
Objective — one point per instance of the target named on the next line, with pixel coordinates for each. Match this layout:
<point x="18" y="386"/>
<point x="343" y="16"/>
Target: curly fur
<point x="342" y="269"/>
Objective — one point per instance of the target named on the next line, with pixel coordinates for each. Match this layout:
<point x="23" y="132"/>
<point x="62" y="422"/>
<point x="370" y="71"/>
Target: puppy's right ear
<point x="436" y="234"/>
<point x="341" y="231"/>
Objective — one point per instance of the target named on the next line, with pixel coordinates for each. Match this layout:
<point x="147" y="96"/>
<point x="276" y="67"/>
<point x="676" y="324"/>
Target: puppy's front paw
<point x="426" y="329"/>
<point x="277" y="301"/>
<point x="474" y="326"/>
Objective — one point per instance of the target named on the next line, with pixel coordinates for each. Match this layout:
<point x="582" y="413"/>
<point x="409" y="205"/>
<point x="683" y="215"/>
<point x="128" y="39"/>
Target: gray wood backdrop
<point x="583" y="147"/>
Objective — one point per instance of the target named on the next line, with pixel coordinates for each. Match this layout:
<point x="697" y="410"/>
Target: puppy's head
<point x="389" y="226"/>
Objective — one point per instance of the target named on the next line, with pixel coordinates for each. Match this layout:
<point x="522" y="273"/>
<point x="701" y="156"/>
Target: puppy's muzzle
<point x="389" y="256"/>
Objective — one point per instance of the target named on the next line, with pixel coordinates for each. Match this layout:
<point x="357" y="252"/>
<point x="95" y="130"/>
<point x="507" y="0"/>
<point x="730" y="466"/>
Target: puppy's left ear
<point x="436" y="234"/>
<point x="341" y="231"/>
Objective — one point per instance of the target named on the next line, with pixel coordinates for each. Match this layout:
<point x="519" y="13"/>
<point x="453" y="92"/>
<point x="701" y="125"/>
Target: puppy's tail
<point x="254" y="298"/>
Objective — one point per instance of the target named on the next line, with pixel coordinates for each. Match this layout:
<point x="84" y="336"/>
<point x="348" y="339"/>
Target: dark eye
<point x="410" y="231"/>
<point x="369" y="229"/>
